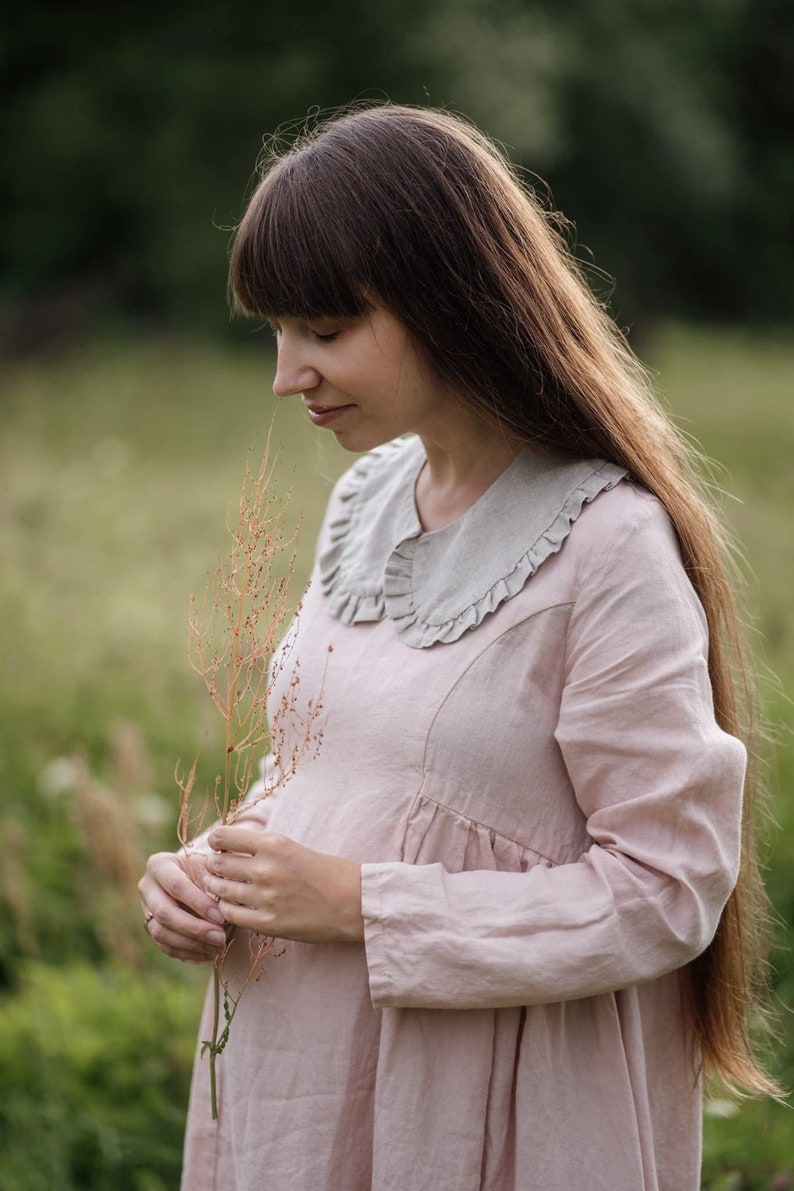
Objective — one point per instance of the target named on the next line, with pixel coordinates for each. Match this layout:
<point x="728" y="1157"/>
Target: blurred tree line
<point x="663" y="128"/>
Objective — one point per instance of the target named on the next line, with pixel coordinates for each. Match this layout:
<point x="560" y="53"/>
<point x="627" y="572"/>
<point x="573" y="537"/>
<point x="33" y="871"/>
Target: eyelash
<point x="274" y="331"/>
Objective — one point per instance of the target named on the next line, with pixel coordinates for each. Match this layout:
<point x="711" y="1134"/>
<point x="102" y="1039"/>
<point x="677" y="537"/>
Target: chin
<point x="358" y="443"/>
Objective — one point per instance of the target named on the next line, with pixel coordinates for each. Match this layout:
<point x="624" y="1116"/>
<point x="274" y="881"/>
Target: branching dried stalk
<point x="232" y="636"/>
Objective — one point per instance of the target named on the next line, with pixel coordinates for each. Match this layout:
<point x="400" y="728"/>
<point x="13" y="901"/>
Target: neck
<point x="458" y="472"/>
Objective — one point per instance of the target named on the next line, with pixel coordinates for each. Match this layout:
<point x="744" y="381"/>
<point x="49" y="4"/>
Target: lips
<point x="323" y="415"/>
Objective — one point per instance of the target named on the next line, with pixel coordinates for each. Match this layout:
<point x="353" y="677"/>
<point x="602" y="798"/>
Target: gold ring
<point x="147" y="917"/>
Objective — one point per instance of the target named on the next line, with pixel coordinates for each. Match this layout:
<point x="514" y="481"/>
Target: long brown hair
<point x="417" y="210"/>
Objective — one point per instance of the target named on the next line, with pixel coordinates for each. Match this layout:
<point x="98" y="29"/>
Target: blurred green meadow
<point x="119" y="461"/>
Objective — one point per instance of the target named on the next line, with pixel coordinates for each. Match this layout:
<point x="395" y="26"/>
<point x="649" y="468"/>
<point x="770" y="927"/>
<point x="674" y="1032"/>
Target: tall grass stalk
<point x="233" y="634"/>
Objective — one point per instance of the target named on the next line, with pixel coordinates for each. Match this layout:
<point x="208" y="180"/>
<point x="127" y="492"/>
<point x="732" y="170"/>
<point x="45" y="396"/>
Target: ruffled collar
<point x="378" y="562"/>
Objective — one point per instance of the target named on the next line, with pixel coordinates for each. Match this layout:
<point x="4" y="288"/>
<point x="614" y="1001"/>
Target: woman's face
<point x="363" y="378"/>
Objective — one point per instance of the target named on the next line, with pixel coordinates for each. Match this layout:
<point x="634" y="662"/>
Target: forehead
<point x="292" y="259"/>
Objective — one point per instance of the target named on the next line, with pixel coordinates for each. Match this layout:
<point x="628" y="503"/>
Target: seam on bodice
<point x="473" y="662"/>
<point x="421" y="796"/>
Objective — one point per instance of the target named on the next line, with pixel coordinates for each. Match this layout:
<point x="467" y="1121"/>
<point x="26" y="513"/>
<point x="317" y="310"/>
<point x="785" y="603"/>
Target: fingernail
<point x="217" y="938"/>
<point x="214" y="914"/>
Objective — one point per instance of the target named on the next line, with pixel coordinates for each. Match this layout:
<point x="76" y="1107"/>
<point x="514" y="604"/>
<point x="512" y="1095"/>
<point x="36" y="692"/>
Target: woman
<point x="509" y="877"/>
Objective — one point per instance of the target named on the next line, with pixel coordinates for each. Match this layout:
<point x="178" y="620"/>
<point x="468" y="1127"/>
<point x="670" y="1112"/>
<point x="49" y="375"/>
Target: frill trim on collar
<point x="350" y="577"/>
<point x="377" y="562"/>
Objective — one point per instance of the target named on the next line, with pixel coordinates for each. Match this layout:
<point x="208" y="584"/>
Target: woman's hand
<point x="185" y="921"/>
<point x="267" y="883"/>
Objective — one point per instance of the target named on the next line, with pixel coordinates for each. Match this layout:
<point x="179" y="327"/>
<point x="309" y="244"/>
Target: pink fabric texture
<point x="548" y="821"/>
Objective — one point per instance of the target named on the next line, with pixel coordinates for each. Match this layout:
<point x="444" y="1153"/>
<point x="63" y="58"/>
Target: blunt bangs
<point x="292" y="255"/>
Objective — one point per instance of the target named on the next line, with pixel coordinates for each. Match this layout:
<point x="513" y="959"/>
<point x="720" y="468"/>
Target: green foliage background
<point x="663" y="128"/>
<point x="129" y="403"/>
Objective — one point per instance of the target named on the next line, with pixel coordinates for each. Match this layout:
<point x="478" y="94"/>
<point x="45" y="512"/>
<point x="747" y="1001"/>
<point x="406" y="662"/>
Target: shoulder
<point x="626" y="572"/>
<point x="627" y="520"/>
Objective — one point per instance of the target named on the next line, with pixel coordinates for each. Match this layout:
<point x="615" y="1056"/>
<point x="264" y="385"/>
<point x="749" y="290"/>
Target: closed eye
<point x="320" y="336"/>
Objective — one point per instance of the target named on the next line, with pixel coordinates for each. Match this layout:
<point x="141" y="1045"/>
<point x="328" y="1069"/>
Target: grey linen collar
<point x="378" y="562"/>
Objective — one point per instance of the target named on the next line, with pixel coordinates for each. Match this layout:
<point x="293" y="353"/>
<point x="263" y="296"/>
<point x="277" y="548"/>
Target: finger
<point x="187" y="957"/>
<point x="257" y="920"/>
<point x="231" y="865"/>
<point x="183" y="888"/>
<point x="185" y="925"/>
<point x="170" y="915"/>
<point x="181" y="946"/>
<point x="236" y="839"/>
<point x="238" y="893"/>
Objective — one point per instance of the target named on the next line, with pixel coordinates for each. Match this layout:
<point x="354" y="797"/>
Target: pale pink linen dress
<point x="548" y="822"/>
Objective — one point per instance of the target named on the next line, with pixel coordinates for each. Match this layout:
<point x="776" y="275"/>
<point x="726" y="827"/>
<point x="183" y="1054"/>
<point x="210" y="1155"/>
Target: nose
<point x="293" y="372"/>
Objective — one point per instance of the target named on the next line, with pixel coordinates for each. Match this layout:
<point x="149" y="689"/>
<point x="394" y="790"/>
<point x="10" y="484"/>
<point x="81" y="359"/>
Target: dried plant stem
<point x="213" y="1045"/>
<point x="232" y="638"/>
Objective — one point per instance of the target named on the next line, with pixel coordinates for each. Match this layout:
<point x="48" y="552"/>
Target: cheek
<point x="405" y="385"/>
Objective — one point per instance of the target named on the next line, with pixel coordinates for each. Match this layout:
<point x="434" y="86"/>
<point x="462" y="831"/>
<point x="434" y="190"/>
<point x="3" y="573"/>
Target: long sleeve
<point x="659" y="785"/>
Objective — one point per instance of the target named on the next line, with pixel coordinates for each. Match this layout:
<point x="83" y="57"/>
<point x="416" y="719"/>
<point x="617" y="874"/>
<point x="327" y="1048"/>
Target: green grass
<point x="119" y="462"/>
<point x="734" y="393"/>
<point x="119" y="465"/>
<point x="95" y="1062"/>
